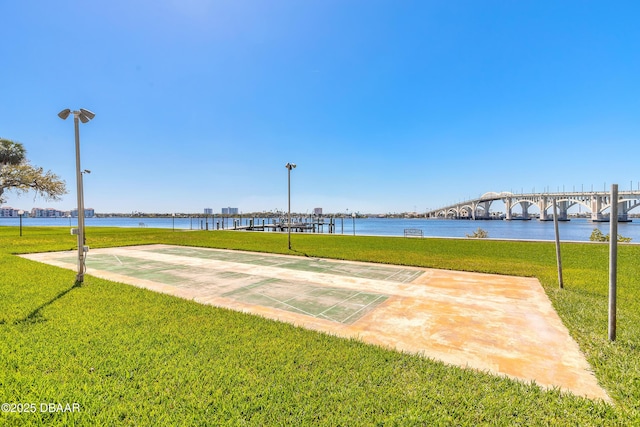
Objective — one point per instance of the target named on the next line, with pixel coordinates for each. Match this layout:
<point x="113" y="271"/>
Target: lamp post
<point x="83" y="116"/>
<point x="289" y="166"/>
<point x="173" y="221"/>
<point x="353" y="215"/>
<point x="21" y="212"/>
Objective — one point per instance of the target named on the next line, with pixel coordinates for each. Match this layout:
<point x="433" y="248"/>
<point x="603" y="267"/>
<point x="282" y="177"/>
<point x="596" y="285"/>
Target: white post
<point x="558" y="258"/>
<point x="289" y="209"/>
<point x="84" y="116"/>
<point x="353" y="215"/>
<point x="613" y="260"/>
<point x="289" y="166"/>
<point x="80" y="275"/>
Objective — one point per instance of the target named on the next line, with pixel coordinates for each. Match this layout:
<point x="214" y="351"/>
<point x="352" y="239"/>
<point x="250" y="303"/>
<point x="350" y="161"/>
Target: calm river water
<point x="578" y="229"/>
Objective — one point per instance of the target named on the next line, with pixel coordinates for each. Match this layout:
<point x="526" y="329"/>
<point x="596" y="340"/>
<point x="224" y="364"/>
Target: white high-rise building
<point x="230" y="211"/>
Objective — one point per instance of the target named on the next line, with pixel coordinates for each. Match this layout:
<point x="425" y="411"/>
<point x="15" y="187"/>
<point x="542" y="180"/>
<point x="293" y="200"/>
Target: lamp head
<point x="85" y="115"/>
<point x="64" y="114"/>
<point x="90" y="115"/>
<point x="290" y="166"/>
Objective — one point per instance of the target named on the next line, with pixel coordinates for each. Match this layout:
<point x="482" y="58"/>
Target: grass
<point x="133" y="357"/>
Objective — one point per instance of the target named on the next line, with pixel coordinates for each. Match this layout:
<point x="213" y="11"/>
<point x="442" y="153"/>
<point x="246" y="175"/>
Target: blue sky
<point x="385" y="106"/>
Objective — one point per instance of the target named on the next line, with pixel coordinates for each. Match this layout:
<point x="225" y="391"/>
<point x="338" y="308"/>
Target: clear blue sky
<point x="385" y="106"/>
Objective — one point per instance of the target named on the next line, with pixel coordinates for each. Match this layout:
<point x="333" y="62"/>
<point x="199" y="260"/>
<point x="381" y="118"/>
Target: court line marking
<point x="305" y="294"/>
<point x="368" y="305"/>
<point x="288" y="305"/>
<point x="340" y="302"/>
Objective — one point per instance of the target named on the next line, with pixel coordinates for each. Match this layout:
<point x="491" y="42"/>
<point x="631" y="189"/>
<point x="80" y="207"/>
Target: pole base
<point x="79" y="280"/>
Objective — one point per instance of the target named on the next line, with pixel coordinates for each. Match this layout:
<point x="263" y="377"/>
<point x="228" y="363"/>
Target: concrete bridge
<point x="597" y="202"/>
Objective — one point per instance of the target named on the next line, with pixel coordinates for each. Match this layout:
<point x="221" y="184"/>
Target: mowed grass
<point x="129" y="356"/>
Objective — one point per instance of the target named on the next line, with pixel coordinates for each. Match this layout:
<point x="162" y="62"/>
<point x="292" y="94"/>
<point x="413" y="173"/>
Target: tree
<point x="16" y="173"/>
<point x="599" y="236"/>
<point x="478" y="234"/>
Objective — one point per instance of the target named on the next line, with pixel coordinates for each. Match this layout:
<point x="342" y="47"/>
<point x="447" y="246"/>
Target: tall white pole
<point x="613" y="261"/>
<point x="353" y="215"/>
<point x="558" y="258"/>
<point x="289" y="166"/>
<point x="84" y="116"/>
<point x="80" y="275"/>
<point x="289" y="200"/>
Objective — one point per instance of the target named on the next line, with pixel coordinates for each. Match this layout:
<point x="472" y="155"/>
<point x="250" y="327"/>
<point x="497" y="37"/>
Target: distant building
<point x="9" y="212"/>
<point x="88" y="213"/>
<point x="47" y="213"/>
<point x="229" y="211"/>
<point x="38" y="213"/>
<point x="54" y="213"/>
<point x="208" y="211"/>
<point x="317" y="211"/>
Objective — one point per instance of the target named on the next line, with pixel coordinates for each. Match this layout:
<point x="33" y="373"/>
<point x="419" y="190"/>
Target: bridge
<point x="596" y="202"/>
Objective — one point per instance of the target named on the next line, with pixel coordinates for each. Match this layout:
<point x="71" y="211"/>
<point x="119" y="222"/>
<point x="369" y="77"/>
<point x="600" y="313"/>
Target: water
<point x="578" y="229"/>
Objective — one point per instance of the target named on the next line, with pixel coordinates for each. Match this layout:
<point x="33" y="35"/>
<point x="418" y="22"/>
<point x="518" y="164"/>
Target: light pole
<point x="21" y="212"/>
<point x="83" y="116"/>
<point x="353" y="215"/>
<point x="173" y="221"/>
<point x="289" y="166"/>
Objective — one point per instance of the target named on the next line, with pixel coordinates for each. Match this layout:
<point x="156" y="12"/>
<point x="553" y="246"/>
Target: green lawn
<point x="127" y="356"/>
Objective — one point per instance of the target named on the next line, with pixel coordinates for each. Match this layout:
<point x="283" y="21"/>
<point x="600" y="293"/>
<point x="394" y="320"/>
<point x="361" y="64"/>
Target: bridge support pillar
<point x="508" y="204"/>
<point x="563" y="207"/>
<point x="543" y="205"/>
<point x="484" y="213"/>
<point x="546" y="214"/>
<point x="623" y="211"/>
<point x="596" y="206"/>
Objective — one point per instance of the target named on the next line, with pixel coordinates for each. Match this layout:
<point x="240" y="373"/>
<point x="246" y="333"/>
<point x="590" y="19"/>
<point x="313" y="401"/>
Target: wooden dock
<point x="299" y="227"/>
<point x="317" y="225"/>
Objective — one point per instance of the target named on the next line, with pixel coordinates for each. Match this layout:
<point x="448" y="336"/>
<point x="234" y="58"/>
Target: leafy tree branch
<point x="17" y="174"/>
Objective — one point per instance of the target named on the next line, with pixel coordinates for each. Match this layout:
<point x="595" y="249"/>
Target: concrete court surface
<point x="502" y="324"/>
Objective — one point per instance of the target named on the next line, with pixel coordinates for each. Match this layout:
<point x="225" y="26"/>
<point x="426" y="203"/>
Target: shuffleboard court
<point x="502" y="324"/>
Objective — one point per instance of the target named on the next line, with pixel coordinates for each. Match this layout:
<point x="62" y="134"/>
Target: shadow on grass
<point x="299" y="252"/>
<point x="36" y="316"/>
